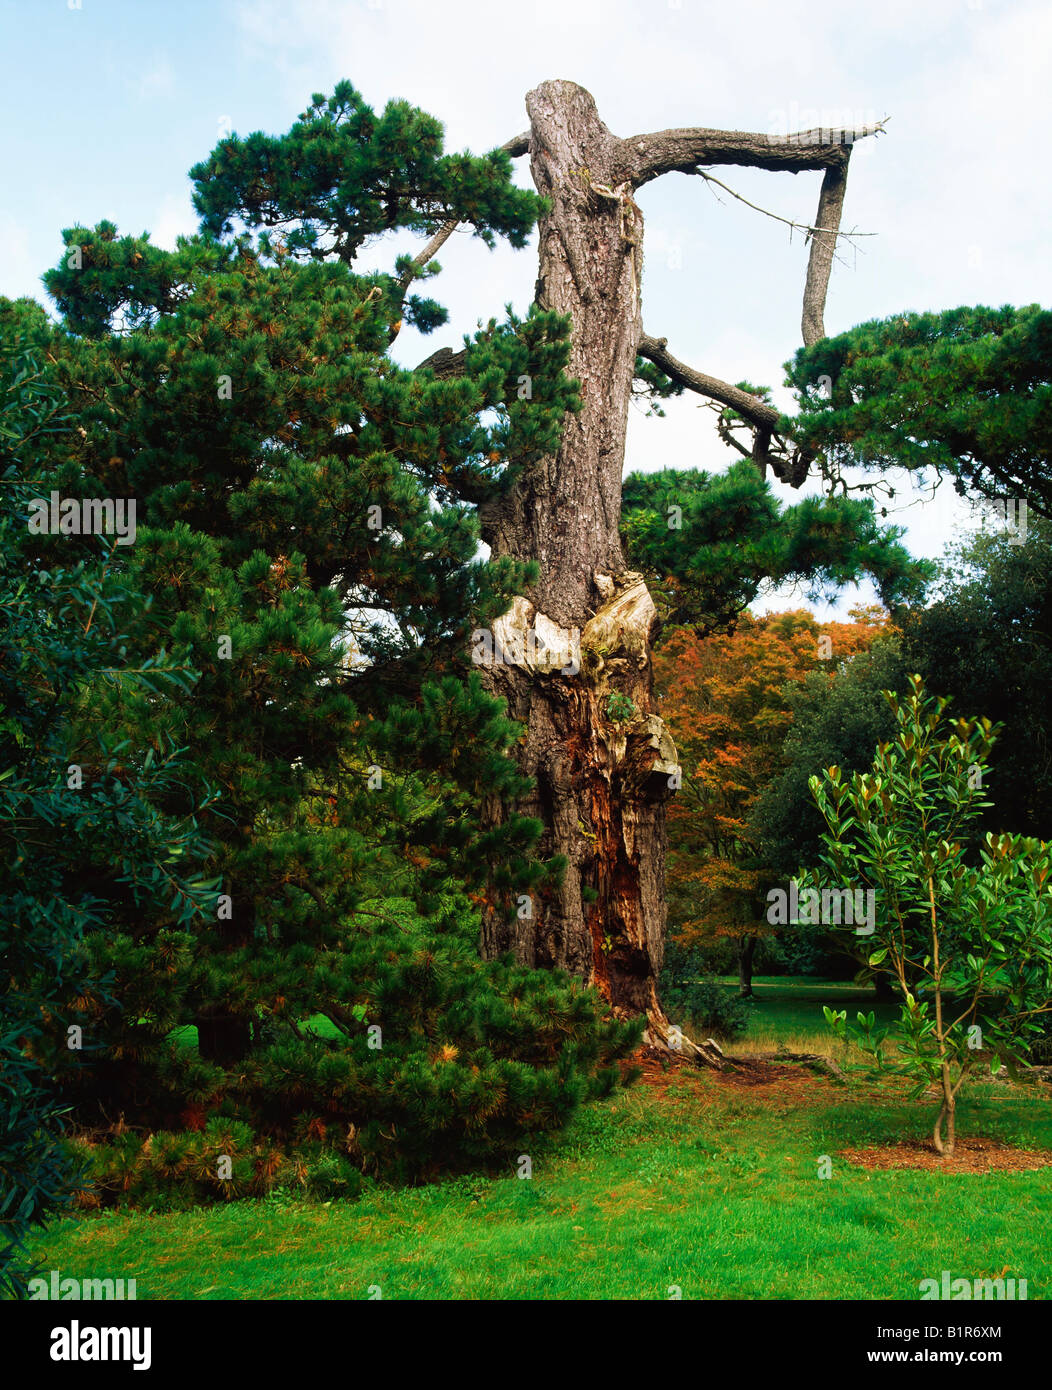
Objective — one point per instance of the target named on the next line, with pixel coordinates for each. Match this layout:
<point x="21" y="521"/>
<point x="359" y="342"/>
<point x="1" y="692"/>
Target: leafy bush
<point x="80" y="827"/>
<point x="690" y="995"/>
<point x="964" y="928"/>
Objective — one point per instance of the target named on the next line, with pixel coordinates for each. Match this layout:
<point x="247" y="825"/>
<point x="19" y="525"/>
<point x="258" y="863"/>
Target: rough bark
<point x="573" y="657"/>
<point x="646" y="157"/>
<point x="823" y="246"/>
<point x="601" y="780"/>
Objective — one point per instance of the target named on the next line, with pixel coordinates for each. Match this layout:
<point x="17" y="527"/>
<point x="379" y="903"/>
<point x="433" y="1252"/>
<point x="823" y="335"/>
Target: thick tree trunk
<point x="602" y="760"/>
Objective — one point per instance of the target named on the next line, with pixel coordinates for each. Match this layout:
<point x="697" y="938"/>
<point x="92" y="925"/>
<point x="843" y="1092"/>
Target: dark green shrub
<point x="81" y="825"/>
<point x="226" y="1161"/>
<point x="697" y="1000"/>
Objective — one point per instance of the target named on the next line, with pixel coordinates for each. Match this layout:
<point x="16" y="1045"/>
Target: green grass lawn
<point x="703" y="1185"/>
<point x="787" y="1012"/>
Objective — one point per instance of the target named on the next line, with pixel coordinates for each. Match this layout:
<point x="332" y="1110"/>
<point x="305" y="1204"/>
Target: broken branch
<point x="646" y="157"/>
<point x="823" y="244"/>
<point x="838" y="176"/>
<point x="788" y="464"/>
<point x="519" y="144"/>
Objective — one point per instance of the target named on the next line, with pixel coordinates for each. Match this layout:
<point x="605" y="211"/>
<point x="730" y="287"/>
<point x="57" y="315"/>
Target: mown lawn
<point x="787" y="1012"/>
<point x="684" y="1180"/>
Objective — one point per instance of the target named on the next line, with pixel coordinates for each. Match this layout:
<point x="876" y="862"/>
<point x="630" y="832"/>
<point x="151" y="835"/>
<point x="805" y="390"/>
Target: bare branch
<point x="833" y="174"/>
<point x="756" y="411"/>
<point x="645" y="157"/>
<point x="431" y="249"/>
<point x="823" y="245"/>
<point x="305" y="886"/>
<point x="823" y="237"/>
<point x="518" y="144"/>
<point x="768" y="448"/>
<point x="444" y="363"/>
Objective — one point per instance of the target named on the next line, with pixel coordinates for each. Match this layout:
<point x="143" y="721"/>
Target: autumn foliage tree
<point x="725" y="699"/>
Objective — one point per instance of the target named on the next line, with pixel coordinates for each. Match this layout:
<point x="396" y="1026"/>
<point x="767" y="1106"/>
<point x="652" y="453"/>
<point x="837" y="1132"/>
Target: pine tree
<point x="305" y="542"/>
<point x="964" y="394"/>
<point x="600" y="782"/>
<point x="711" y="543"/>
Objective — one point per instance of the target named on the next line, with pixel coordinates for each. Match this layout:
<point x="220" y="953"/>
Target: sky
<point x="106" y="104"/>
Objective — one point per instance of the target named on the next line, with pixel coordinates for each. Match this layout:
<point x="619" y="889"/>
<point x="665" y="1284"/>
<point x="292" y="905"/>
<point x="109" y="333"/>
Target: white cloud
<point x="174" y="218"/>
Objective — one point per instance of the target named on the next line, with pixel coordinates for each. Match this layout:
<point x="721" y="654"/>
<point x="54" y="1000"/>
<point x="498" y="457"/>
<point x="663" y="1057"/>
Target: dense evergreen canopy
<point x="714" y="541"/>
<point x="305" y="545"/>
<point x="966" y="394"/>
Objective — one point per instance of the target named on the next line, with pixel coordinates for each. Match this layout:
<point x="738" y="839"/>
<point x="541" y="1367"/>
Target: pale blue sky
<point x="106" y="106"/>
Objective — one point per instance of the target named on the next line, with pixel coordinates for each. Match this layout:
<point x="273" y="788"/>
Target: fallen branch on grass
<point x="816" y="1060"/>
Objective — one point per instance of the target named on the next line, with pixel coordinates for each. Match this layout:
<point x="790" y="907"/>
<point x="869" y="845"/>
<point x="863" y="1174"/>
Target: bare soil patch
<point x="658" y="1069"/>
<point x="770" y="1082"/>
<point x="755" y="1071"/>
<point x="970" y="1156"/>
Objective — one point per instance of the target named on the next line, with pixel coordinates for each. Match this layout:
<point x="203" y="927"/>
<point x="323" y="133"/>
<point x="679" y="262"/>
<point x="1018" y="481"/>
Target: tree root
<point x="669" y="1042"/>
<point x="674" y="1043"/>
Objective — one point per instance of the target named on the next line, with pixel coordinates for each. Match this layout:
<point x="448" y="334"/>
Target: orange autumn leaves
<point x="723" y="699"/>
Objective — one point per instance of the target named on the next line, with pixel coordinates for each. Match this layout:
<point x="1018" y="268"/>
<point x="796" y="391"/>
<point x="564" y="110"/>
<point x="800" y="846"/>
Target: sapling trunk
<point x="943" y="1137"/>
<point x="943" y="1134"/>
<point x="746" y="952"/>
